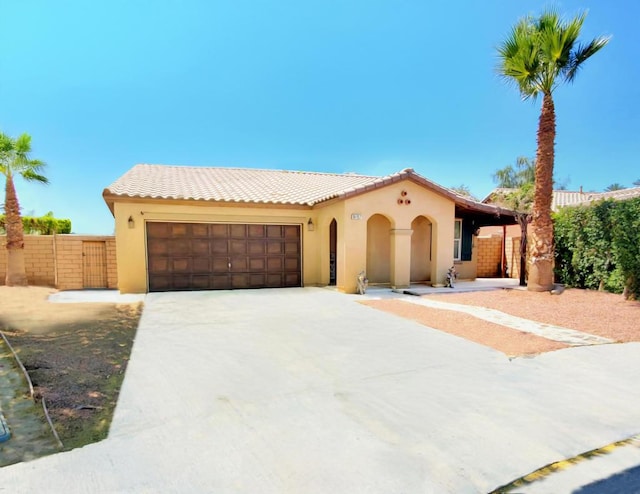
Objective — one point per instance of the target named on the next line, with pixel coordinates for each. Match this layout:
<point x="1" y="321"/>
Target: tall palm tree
<point x="538" y="55"/>
<point x="15" y="160"/>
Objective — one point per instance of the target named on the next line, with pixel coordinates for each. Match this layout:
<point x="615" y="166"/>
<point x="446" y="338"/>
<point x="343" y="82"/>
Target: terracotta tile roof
<point x="234" y="184"/>
<point x="245" y="185"/>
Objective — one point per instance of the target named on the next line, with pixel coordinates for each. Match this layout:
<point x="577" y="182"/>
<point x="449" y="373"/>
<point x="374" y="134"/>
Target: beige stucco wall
<point x="351" y="214"/>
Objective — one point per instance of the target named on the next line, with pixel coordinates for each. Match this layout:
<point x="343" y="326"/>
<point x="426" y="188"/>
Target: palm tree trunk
<point x="541" y="256"/>
<point x="16" y="271"/>
<point x="523" y="221"/>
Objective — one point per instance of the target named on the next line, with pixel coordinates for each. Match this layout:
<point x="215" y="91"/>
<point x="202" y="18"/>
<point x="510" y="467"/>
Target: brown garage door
<point x="201" y="256"/>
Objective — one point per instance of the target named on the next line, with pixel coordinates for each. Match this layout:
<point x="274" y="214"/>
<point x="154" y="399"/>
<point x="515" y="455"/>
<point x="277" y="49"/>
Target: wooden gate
<point x="94" y="264"/>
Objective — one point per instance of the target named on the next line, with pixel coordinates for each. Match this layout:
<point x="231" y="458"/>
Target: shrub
<point x="43" y="225"/>
<point x="598" y="246"/>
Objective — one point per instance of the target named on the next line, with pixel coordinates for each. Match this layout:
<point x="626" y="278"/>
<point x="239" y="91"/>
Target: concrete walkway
<point x="305" y="390"/>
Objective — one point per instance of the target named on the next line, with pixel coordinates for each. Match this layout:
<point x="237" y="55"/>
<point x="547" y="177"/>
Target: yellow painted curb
<point x="547" y="470"/>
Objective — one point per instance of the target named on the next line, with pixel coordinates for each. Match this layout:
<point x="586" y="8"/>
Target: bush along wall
<point x="43" y="225"/>
<point x="598" y="246"/>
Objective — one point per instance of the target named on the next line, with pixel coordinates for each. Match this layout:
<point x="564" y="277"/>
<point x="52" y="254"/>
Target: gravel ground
<point x="598" y="313"/>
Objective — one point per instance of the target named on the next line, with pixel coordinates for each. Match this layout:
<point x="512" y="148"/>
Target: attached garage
<point x="217" y="256"/>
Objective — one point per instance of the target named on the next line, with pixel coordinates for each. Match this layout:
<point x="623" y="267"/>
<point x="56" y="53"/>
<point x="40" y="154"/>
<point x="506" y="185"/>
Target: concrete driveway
<point x="308" y="391"/>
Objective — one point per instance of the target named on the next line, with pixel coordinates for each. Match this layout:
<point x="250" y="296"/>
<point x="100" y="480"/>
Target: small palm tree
<point x="518" y="196"/>
<point x="614" y="186"/>
<point x="14" y="160"/>
<point x="538" y="55"/>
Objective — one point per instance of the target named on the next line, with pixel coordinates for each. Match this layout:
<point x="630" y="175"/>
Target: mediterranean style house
<point x="198" y="228"/>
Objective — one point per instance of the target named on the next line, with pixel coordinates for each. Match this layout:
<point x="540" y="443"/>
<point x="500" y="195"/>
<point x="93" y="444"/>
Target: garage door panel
<point x="181" y="281"/>
<point x="157" y="248"/>
<point x="179" y="246"/>
<point x="179" y="229"/>
<point x="219" y="246"/>
<point x="160" y="282"/>
<point x="292" y="247"/>
<point x="239" y="264"/>
<point x="291" y="264"/>
<point x="220" y="282"/>
<point x="218" y="231"/>
<point x="200" y="247"/>
<point x="197" y="256"/>
<point x="220" y="264"/>
<point x="157" y="230"/>
<point x="291" y="232"/>
<point x="181" y="265"/>
<point x="257" y="264"/>
<point x="255" y="247"/>
<point x="274" y="264"/>
<point x="159" y="265"/>
<point x="200" y="230"/>
<point x="240" y="280"/>
<point x="201" y="265"/>
<point x="274" y="247"/>
<point x="256" y="231"/>
<point x="238" y="231"/>
<point x="292" y="279"/>
<point x="274" y="280"/>
<point x="200" y="281"/>
<point x="257" y="280"/>
<point x="238" y="247"/>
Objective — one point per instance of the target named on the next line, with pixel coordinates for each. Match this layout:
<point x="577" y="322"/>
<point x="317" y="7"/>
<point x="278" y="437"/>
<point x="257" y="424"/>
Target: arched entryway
<point x="378" y="249"/>
<point x="421" y="250"/>
<point x="333" y="252"/>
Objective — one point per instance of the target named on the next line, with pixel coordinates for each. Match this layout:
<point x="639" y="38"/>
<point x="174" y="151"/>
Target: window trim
<point x="457" y="240"/>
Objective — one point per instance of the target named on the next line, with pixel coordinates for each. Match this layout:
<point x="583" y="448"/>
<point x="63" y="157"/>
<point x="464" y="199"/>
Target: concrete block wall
<point x="490" y="252"/>
<point x="513" y="256"/>
<point x="57" y="260"/>
<point x="489" y="256"/>
<point x="69" y="262"/>
<point x="112" y="266"/>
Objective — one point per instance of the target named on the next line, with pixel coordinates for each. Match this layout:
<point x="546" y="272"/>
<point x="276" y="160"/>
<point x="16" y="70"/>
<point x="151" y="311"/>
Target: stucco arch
<point x="379" y="249"/>
<point x="389" y="218"/>
<point x="421" y="245"/>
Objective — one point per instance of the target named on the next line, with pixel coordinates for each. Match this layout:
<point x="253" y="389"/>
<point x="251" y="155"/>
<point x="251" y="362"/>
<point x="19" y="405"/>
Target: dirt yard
<point x="76" y="356"/>
<point x="598" y="313"/>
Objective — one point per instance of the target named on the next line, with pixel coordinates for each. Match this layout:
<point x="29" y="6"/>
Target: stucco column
<point x="400" y="258"/>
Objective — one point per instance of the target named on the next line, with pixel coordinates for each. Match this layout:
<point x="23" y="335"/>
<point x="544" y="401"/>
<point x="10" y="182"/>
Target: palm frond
<point x="23" y="144"/>
<point x="582" y="53"/>
<point x="31" y="175"/>
<point x="540" y="53"/>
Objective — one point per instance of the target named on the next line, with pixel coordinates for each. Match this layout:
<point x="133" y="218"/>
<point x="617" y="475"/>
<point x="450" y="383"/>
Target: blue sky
<point x="361" y="86"/>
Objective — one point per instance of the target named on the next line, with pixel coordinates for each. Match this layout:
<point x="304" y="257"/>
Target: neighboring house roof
<point x="618" y="195"/>
<point x="562" y="198"/>
<point x="259" y="186"/>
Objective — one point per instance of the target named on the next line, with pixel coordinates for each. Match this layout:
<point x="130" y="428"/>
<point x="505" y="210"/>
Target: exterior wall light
<point x="310" y="226"/>
<point x="131" y="223"/>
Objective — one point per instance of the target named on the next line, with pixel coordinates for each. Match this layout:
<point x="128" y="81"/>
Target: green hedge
<point x="43" y="225"/>
<point x="598" y="246"/>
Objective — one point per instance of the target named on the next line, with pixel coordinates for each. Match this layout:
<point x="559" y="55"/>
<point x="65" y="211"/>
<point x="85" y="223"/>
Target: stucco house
<point x="197" y="228"/>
